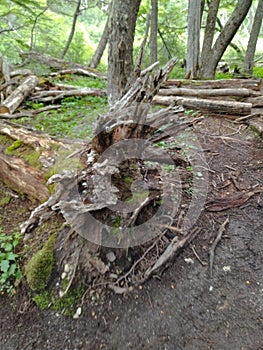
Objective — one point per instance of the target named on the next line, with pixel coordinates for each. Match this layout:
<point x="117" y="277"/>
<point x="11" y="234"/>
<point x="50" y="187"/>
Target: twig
<point x="197" y="256"/>
<point x="140" y="259"/>
<point x="137" y="211"/>
<point x="214" y="245"/>
<point x="171" y="251"/>
<point x="246" y="117"/>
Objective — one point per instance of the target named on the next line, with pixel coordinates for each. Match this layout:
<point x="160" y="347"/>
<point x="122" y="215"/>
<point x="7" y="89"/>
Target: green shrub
<point x="9" y="267"/>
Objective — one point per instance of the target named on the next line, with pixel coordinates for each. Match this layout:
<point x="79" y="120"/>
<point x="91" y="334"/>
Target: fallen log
<point x="213" y="106"/>
<point x="57" y="63"/>
<point x="14" y="100"/>
<point x="54" y="95"/>
<point x="79" y="71"/>
<point x="253" y="84"/>
<point x="229" y="92"/>
<point x="20" y="176"/>
<point x="256" y="101"/>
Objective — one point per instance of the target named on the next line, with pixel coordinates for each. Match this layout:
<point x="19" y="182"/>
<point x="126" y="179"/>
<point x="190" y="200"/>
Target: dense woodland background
<point x="72" y="29"/>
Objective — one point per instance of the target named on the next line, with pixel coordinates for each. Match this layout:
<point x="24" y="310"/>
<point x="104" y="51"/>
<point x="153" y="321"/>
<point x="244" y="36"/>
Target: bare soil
<point x="183" y="308"/>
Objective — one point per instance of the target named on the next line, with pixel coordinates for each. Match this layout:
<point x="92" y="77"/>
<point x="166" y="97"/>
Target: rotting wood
<point x="235" y="200"/>
<point x="13" y="101"/>
<point x="23" y="178"/>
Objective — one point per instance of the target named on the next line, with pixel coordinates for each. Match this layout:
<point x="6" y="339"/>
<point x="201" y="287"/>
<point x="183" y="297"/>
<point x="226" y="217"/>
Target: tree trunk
<point x="193" y="40"/>
<point x="253" y="38"/>
<point x="75" y="17"/>
<point x="154" y="31"/>
<point x="102" y="43"/>
<point x="120" y="60"/>
<point x="210" y="61"/>
<point x="210" y="28"/>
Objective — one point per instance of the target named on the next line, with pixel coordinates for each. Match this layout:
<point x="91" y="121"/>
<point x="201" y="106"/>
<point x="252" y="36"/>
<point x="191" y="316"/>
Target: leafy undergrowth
<point x="9" y="265"/>
<point x="75" y="117"/>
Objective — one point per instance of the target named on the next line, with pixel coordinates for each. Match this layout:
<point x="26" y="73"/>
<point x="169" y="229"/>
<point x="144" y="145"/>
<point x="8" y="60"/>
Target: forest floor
<point x="184" y="308"/>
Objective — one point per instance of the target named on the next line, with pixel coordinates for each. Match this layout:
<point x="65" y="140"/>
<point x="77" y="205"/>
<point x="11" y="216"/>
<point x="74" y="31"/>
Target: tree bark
<point x="193" y="39"/>
<point x="72" y="31"/>
<point x="210" y="28"/>
<point x="120" y="59"/>
<point x="154" y="31"/>
<point x="253" y="38"/>
<point x="210" y="61"/>
<point x="102" y="43"/>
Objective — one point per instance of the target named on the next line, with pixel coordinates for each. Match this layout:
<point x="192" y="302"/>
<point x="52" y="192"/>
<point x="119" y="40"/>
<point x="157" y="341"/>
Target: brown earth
<point x="184" y="308"/>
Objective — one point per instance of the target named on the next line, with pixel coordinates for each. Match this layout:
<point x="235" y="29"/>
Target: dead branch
<point x="170" y="252"/>
<point x="79" y="71"/>
<point x="54" y="95"/>
<point x="214" y="245"/>
<point x="29" y="114"/>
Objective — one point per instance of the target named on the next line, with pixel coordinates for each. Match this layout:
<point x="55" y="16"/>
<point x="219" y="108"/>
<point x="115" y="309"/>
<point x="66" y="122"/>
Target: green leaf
<point x="4" y="265"/>
<point x="8" y="247"/>
<point x="11" y="256"/>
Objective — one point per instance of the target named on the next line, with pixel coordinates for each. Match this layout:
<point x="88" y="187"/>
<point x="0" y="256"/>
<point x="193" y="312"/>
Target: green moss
<point x="38" y="269"/>
<point x="5" y="200"/>
<point x="29" y="154"/>
<point x="43" y="300"/>
<point x="15" y="145"/>
<point x="66" y="304"/>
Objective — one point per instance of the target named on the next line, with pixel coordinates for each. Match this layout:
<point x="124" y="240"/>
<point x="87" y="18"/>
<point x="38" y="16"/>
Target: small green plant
<point x="9" y="267"/>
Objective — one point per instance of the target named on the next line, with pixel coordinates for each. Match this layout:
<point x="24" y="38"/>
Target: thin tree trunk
<point x="210" y="61"/>
<point x="193" y="40"/>
<point x="120" y="58"/>
<point x="72" y="32"/>
<point x="102" y="43"/>
<point x="154" y="31"/>
<point x="210" y="28"/>
<point x="253" y="38"/>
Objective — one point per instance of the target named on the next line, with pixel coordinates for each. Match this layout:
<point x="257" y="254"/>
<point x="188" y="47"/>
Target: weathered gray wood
<point x="13" y="101"/>
<point x="213" y="106"/>
<point x="238" y="92"/>
<point x="252" y="84"/>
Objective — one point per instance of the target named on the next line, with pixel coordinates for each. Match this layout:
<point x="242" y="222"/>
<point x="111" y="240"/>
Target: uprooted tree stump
<point x="120" y="203"/>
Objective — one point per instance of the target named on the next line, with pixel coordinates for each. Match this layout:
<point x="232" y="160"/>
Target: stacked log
<point x="232" y="96"/>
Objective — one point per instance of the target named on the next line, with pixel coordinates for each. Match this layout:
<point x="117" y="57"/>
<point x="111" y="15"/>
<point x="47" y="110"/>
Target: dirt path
<point x="183" y="309"/>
